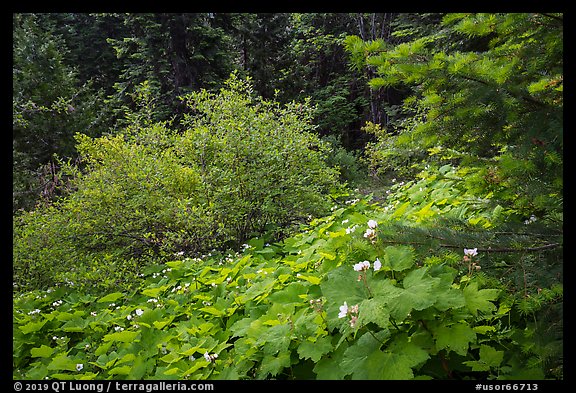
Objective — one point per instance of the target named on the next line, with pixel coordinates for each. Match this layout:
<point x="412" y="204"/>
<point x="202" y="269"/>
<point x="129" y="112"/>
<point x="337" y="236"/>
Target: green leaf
<point x="273" y="364"/>
<point x="122" y="370"/>
<point x="328" y="368"/>
<point x="42" y="352"/>
<point x="374" y="310"/>
<point x="213" y="311"/>
<point x="290" y="294"/>
<point x="161" y="324"/>
<point x="332" y="289"/>
<point x="456" y="337"/>
<point x="418" y="294"/>
<point x="480" y="300"/>
<point x="401" y="210"/>
<point x="315" y="350"/>
<point x="102" y="349"/>
<point x="62" y="362"/>
<point x="275" y="338"/>
<point x="125" y="336"/>
<point x="312" y="279"/>
<point x="489" y="358"/>
<point x="154" y="292"/>
<point x="112" y="297"/>
<point x="386" y="366"/>
<point x="354" y="359"/>
<point x="32" y="327"/>
<point x="398" y="258"/>
<point x="171" y="357"/>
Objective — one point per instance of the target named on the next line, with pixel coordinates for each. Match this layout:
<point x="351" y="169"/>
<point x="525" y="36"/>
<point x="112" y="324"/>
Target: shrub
<point x="243" y="167"/>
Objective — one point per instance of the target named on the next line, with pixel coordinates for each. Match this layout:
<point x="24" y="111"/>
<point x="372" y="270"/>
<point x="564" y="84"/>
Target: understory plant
<point x="362" y="293"/>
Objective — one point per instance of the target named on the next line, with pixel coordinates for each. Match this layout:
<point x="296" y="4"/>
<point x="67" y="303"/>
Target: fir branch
<point x="487" y="249"/>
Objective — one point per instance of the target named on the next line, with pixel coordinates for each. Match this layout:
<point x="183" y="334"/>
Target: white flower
<point x="472" y="252"/>
<point x="93" y="313"/>
<point x="128" y="317"/>
<point x="362" y="266"/>
<point x="372" y="224"/>
<point x="79" y="366"/>
<point x="370" y="232"/>
<point x="349" y="230"/>
<point x="139" y="312"/>
<point x="343" y="310"/>
<point x="210" y="358"/>
<point x="377" y="264"/>
<point x="530" y="220"/>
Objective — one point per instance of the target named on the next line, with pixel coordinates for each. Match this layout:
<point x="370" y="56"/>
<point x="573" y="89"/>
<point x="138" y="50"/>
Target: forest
<point x="287" y="196"/>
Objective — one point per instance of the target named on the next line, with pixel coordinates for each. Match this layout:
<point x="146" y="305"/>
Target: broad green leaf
<point x="171" y="357"/>
<point x="172" y="371"/>
<point x="161" y="324"/>
<point x="401" y="210"/>
<point x="290" y="294"/>
<point x="42" y="352"/>
<point x="76" y="324"/>
<point x="275" y="338"/>
<point x="456" y="337"/>
<point x="213" y="310"/>
<point x="141" y="366"/>
<point x="32" y="327"/>
<point x="484" y="329"/>
<point x="385" y="365"/>
<point x="480" y="300"/>
<point x="154" y="292"/>
<point x="257" y="289"/>
<point x="354" y="359"/>
<point x="418" y="294"/>
<point x="448" y="297"/>
<point x="62" y="362"/>
<point x="129" y="357"/>
<point x="425" y="212"/>
<point x="102" y="349"/>
<point x="332" y="289"/>
<point x="398" y="258"/>
<point x="112" y="297"/>
<point x="315" y="350"/>
<point x="312" y="279"/>
<point x="489" y="358"/>
<point x="374" y="310"/>
<point x="122" y="370"/>
<point x="273" y="364"/>
<point x="125" y="336"/>
<point x="328" y="368"/>
<point x="196" y="365"/>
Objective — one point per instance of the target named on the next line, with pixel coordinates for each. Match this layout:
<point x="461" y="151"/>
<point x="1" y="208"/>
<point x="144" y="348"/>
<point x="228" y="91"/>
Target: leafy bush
<point x="243" y="167"/>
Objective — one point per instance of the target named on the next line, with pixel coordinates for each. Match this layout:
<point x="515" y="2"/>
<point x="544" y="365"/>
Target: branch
<point x="558" y="18"/>
<point x="487" y="250"/>
<point x="510" y="249"/>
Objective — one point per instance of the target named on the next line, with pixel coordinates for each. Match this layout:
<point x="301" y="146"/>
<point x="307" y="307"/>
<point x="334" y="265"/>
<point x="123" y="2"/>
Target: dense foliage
<point x="153" y="192"/>
<point x="288" y="196"/>
<point x="338" y="300"/>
